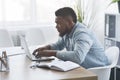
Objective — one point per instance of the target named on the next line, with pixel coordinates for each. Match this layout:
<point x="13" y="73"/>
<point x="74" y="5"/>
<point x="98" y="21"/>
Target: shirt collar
<point x="72" y="31"/>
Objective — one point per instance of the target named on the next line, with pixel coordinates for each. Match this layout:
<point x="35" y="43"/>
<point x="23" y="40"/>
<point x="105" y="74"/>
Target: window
<point x="15" y="10"/>
<point x="30" y="11"/>
<point x="0" y="10"/>
<point x="47" y="8"/>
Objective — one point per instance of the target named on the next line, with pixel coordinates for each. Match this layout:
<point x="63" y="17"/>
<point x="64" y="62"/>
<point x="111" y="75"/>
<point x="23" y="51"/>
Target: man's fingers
<point x="38" y="55"/>
<point x="37" y="50"/>
<point x="34" y="52"/>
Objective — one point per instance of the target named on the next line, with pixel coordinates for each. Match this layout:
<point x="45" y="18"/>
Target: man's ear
<point x="69" y="19"/>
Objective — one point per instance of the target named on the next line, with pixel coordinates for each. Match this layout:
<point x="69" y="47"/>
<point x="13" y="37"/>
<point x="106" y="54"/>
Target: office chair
<point x="34" y="36"/>
<point x="5" y="39"/>
<point x="103" y="73"/>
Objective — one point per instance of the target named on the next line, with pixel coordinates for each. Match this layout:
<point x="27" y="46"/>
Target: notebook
<point x="59" y="65"/>
<point x="30" y="51"/>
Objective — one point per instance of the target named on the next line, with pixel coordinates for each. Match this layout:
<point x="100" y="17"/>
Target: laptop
<point x="29" y="51"/>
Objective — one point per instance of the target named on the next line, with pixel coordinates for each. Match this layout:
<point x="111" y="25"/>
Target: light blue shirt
<point x="82" y="47"/>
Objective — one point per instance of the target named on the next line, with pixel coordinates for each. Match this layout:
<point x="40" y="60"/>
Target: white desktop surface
<point x="11" y="51"/>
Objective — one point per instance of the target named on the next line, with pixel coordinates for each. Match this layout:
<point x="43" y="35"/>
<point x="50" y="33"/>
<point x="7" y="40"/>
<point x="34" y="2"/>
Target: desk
<point x="20" y="70"/>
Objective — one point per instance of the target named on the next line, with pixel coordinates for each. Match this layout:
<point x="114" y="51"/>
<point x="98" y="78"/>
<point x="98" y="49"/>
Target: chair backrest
<point x="34" y="36"/>
<point x="103" y="73"/>
<point x="5" y="39"/>
<point x="113" y="54"/>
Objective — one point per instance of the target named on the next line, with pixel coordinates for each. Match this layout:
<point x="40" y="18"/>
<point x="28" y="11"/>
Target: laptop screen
<point x="28" y="51"/>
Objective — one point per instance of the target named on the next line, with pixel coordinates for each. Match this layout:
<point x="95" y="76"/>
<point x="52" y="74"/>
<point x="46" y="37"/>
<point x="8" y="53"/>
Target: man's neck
<point x="71" y="27"/>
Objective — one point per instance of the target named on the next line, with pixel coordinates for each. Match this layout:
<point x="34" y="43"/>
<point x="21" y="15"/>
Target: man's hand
<point x="45" y="53"/>
<point x="41" y="49"/>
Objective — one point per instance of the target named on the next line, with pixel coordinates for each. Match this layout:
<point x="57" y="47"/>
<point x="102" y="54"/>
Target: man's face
<point x="61" y="25"/>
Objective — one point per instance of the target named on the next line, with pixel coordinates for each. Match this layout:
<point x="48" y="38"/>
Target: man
<point x="81" y="44"/>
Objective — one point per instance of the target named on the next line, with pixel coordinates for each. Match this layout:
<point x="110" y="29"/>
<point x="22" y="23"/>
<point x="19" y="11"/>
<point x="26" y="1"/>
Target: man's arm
<point x="46" y="53"/>
<point x="47" y="47"/>
<point x="49" y="50"/>
<point x="59" y="45"/>
<point x="82" y="45"/>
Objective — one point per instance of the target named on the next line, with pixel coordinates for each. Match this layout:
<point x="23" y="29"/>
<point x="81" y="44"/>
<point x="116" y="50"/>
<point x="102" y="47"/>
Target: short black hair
<point x="66" y="11"/>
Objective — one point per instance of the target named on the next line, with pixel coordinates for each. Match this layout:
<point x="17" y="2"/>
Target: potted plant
<point x="80" y="15"/>
<point x="114" y="1"/>
<point x="79" y="11"/>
